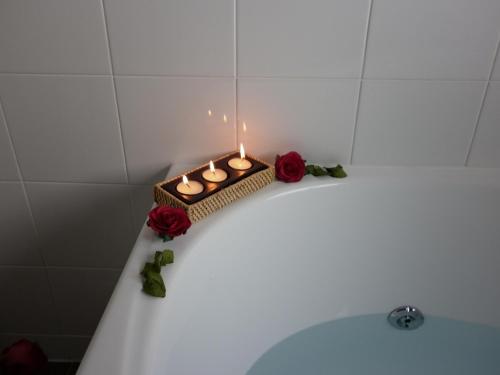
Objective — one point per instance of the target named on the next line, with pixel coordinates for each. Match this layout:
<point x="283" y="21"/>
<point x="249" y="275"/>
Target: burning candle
<point x="214" y="174"/>
<point x="240" y="163"/>
<point x="189" y="187"/>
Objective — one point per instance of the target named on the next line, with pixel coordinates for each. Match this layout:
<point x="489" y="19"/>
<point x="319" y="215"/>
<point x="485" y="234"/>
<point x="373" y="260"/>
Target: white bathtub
<point x="293" y="256"/>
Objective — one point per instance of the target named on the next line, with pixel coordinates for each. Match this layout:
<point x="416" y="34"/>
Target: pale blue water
<point x="369" y="345"/>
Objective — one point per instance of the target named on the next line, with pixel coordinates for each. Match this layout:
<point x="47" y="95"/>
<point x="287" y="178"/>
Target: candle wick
<point x="187" y="184"/>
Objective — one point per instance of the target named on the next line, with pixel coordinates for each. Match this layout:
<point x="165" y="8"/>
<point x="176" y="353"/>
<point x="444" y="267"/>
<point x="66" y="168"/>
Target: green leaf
<point x="337" y="172"/>
<point x="158" y="259"/>
<point x="150" y="267"/>
<point x="168" y="257"/>
<point x="315" y="170"/>
<point x="162" y="258"/>
<point x="154" y="285"/>
<point x="153" y="282"/>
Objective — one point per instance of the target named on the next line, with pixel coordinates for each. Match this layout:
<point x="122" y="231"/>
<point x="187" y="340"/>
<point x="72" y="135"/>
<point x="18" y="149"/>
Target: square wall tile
<point x="165" y="120"/>
<point x="416" y="122"/>
<point x="8" y="170"/>
<point x="64" y="128"/>
<point x="26" y="301"/>
<point x="313" y="117"/>
<point x="56" y="347"/>
<point x="81" y="297"/>
<point x="171" y="37"/>
<point x="18" y="242"/>
<point x="83" y="225"/>
<point x="441" y="39"/>
<point x="485" y="150"/>
<point x="301" y="38"/>
<point x="53" y="36"/>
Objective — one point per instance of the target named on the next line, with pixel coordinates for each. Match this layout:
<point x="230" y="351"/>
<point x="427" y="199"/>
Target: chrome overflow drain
<point x="406" y="318"/>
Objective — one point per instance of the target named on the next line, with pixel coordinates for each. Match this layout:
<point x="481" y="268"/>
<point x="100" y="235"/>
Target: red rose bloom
<point x="23" y="358"/>
<point x="290" y="167"/>
<point x="168" y="221"/>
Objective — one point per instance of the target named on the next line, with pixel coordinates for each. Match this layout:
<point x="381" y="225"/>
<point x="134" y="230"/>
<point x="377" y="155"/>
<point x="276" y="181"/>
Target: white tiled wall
<point x="315" y="38"/>
<point x="314" y="116"/>
<point x="432" y="39"/>
<point x="165" y="120"/>
<point x="416" y="122"/>
<point x="98" y="97"/>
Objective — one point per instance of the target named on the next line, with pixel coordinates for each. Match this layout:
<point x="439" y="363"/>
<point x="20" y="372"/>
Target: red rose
<point x="290" y="167"/>
<point x="23" y="358"/>
<point x="168" y="221"/>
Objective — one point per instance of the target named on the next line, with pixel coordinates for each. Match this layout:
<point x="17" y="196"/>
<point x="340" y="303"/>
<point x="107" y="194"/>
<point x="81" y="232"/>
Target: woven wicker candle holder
<point x="215" y="195"/>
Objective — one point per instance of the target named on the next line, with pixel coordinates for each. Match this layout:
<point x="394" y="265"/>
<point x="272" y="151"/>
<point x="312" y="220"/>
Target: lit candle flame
<point x="210" y="112"/>
<point x="212" y="167"/>
<point x="244" y="127"/>
<point x="242" y="151"/>
<point x="224" y="118"/>
<point x="185" y="180"/>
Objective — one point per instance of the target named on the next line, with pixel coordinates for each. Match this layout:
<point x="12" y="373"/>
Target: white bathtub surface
<point x="295" y="255"/>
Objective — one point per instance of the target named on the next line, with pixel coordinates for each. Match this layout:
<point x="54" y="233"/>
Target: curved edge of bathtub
<point x="120" y="343"/>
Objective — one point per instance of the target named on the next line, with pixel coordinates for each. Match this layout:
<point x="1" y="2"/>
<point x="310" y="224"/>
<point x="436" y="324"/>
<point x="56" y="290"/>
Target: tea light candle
<point x="189" y="187"/>
<point x="214" y="174"/>
<point x="240" y="163"/>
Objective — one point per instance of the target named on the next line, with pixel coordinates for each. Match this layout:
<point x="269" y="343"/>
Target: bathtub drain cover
<point x="406" y="318"/>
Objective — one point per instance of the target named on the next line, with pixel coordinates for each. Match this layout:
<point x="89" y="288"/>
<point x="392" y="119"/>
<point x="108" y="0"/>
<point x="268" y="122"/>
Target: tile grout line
<point x="82" y="183"/>
<point x="351" y="78"/>
<point x="173" y="76"/>
<point x="360" y="87"/>
<point x="428" y="79"/>
<point x="201" y="77"/>
<point x="235" y="71"/>
<point x="28" y="203"/>
<point x="43" y="335"/>
<point x="97" y="75"/>
<point x="476" y="123"/>
<point x="79" y="268"/>
<point x="18" y="170"/>
<point x="54" y="74"/>
<point x="356" y="117"/>
<point x="481" y="106"/>
<point x="115" y="93"/>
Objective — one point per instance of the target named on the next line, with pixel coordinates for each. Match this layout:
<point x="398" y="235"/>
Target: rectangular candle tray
<point x="215" y="195"/>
